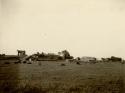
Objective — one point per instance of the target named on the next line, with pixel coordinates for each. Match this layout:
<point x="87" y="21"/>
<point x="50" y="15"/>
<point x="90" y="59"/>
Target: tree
<point x="114" y="59"/>
<point x="66" y="54"/>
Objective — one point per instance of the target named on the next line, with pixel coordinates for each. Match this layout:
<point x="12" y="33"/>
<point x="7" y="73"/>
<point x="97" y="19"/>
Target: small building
<point x="88" y="59"/>
<point x="21" y="53"/>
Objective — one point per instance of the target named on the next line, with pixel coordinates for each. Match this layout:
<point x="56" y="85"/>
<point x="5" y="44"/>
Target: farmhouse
<point x="21" y="53"/>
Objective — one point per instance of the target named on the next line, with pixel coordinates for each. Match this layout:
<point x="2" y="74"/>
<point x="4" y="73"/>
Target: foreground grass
<point x="55" y="78"/>
<point x="107" y="87"/>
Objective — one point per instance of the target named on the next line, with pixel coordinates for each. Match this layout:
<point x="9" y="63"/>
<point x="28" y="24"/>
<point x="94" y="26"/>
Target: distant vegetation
<point x="63" y="55"/>
<point x="60" y="73"/>
<point x="52" y="56"/>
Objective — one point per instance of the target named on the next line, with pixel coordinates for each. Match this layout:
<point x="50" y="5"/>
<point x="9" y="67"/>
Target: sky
<point x="83" y="27"/>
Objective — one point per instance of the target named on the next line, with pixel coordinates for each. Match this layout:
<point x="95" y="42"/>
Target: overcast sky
<point x="84" y="27"/>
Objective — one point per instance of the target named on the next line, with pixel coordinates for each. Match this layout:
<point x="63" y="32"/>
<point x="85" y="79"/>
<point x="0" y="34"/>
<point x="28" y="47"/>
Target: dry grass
<point x="51" y="77"/>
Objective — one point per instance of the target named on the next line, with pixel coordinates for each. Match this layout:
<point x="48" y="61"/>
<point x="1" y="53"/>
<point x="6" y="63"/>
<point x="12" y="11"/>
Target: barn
<point x="88" y="59"/>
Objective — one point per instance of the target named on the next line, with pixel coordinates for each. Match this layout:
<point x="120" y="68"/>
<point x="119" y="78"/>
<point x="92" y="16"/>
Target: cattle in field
<point x="24" y="61"/>
<point x="18" y="62"/>
<point x="123" y="62"/>
<point x="105" y="59"/>
<point x="7" y="62"/>
<point x="78" y="63"/>
<point x="29" y="59"/>
<point x="70" y="60"/>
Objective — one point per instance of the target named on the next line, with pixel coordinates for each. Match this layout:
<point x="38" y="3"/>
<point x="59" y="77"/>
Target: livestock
<point x="17" y="62"/>
<point x="71" y="60"/>
<point x="78" y="63"/>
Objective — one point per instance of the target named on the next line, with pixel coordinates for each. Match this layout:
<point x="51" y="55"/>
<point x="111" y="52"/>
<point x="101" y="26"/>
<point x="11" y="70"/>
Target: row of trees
<point x="61" y="55"/>
<point x="2" y="55"/>
<point x="112" y="58"/>
<point x="65" y="54"/>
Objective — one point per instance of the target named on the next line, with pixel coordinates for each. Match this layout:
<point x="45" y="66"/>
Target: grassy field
<point x="62" y="77"/>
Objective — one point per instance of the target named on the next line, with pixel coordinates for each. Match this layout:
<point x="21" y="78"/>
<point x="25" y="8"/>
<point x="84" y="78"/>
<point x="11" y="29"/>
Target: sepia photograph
<point x="62" y="46"/>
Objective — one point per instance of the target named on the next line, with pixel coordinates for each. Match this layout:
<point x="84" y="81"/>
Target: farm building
<point x="88" y="59"/>
<point x="21" y="53"/>
<point x="105" y="59"/>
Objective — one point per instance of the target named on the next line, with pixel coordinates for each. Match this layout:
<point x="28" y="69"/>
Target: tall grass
<point x="110" y="86"/>
<point x="54" y="78"/>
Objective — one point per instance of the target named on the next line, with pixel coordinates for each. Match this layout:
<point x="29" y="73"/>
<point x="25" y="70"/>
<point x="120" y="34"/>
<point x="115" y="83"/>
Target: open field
<point x="53" y="77"/>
